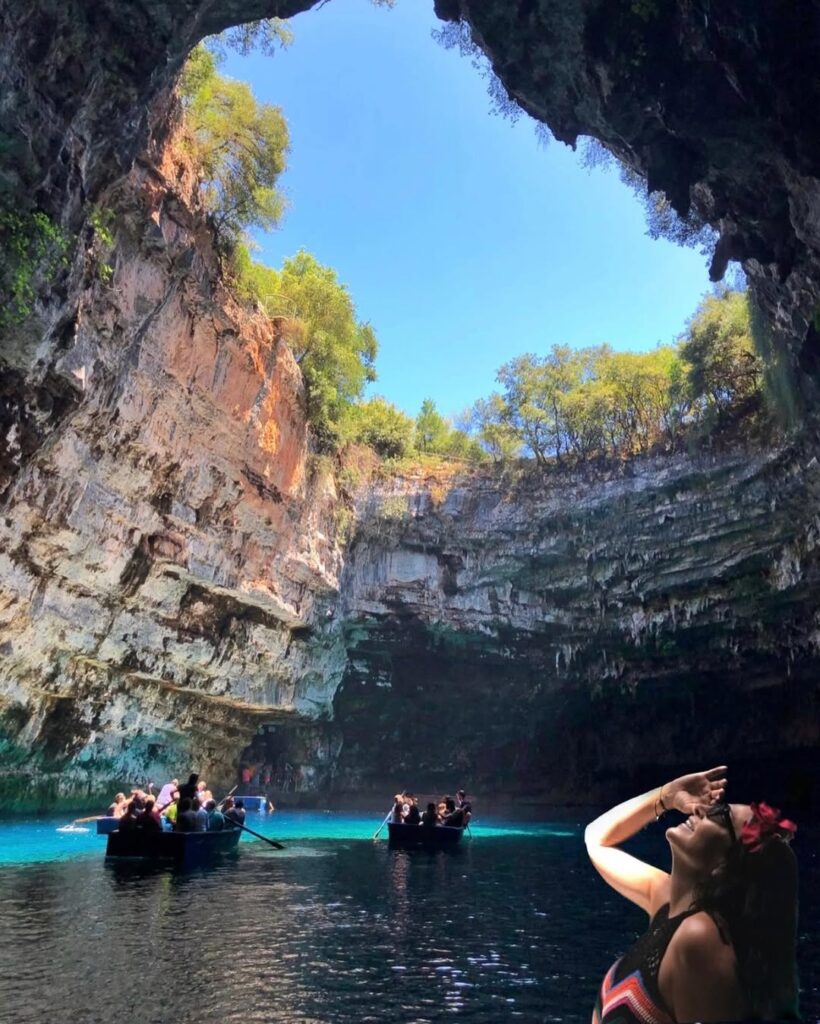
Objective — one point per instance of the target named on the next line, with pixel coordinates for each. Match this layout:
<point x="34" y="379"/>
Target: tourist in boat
<point x="166" y="794"/>
<point x="441" y="810"/>
<point x="429" y="818"/>
<point x="234" y="812"/>
<point x="148" y="818"/>
<point x="216" y="820"/>
<point x="203" y="793"/>
<point x="721" y="938"/>
<point x="188" y="790"/>
<point x="117" y="809"/>
<point x="397" y="814"/>
<point x="186" y="816"/>
<point x="461" y="798"/>
<point x="128" y="818"/>
<point x="201" y="815"/>
<point x="455" y="817"/>
<point x="171" y="810"/>
<point x="413" y="815"/>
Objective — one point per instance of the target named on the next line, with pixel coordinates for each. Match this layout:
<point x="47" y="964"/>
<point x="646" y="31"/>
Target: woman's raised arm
<point x="642" y="883"/>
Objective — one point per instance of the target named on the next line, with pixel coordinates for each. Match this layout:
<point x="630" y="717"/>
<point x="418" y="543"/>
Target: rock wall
<point x="164" y="551"/>
<point x="563" y="636"/>
<point x="168" y="574"/>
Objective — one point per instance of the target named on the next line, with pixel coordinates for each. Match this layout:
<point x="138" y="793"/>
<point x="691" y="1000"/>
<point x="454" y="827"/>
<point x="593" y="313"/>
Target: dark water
<point x="513" y="926"/>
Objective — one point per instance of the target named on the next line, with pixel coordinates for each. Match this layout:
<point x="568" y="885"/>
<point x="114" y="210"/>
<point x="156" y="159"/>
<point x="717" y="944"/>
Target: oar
<point x="91" y="817"/>
<point x="376" y="833"/>
<point x="273" y="843"/>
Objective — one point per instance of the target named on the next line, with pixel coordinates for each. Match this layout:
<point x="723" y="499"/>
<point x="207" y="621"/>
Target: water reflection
<point x="515" y="928"/>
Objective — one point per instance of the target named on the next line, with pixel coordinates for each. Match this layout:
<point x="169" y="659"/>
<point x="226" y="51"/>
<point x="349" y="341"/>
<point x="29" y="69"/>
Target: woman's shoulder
<point x="700" y="944"/>
<point x="698" y="978"/>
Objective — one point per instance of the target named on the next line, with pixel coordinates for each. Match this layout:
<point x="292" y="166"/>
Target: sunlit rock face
<point x="164" y="554"/>
<point x="559" y="638"/>
<point x="168" y="574"/>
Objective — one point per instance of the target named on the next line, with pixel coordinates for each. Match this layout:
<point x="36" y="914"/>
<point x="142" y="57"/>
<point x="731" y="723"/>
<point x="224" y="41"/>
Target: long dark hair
<point x="753" y="897"/>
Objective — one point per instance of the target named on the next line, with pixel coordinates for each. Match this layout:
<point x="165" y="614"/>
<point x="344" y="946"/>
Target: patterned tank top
<point x="629" y="993"/>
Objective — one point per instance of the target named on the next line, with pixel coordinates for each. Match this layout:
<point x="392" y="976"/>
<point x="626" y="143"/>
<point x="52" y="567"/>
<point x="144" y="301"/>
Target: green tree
<point x="335" y="351"/>
<point x="239" y="145"/>
<point x="432" y="429"/>
<point x="718" y="347"/>
<point x="486" y="419"/>
<point x="379" y="424"/>
<point x="534" y="392"/>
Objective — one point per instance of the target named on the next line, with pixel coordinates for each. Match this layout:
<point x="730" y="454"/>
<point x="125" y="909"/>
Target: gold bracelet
<point x="659" y="800"/>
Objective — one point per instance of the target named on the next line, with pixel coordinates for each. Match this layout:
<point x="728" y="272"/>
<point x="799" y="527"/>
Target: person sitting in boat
<point x="397" y="814"/>
<point x="117" y="809"/>
<point x="461" y="798"/>
<point x="216" y="820"/>
<point x="148" y="819"/>
<point x="429" y="818"/>
<point x="186" y="816"/>
<point x="413" y="815"/>
<point x="128" y="819"/>
<point x="441" y="810"/>
<point x="203" y="793"/>
<point x="171" y="809"/>
<point x="454" y="818"/>
<point x="188" y="790"/>
<point x="166" y="794"/>
<point x="235" y="813"/>
<point x="201" y="815"/>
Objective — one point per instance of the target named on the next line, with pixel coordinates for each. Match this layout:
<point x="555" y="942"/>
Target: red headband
<point x="764" y="822"/>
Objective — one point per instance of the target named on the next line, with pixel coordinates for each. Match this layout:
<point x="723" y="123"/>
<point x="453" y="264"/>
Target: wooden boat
<point x="415" y="836"/>
<point x="184" y="849"/>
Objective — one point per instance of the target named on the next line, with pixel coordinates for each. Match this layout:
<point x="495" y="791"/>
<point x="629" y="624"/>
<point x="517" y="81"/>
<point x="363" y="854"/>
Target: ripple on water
<point x="332" y="931"/>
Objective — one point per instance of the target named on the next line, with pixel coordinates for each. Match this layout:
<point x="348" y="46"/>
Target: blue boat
<point x="254" y="803"/>
<point x="410" y="837"/>
<point x="184" y="849"/>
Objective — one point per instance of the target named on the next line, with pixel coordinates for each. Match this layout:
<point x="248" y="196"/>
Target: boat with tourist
<point x="409" y="837"/>
<point x="185" y="849"/>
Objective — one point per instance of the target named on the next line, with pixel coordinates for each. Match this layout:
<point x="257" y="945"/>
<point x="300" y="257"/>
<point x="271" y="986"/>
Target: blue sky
<point x="462" y="240"/>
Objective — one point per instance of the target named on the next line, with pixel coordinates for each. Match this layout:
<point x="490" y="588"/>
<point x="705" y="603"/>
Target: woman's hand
<point x="700" y="789"/>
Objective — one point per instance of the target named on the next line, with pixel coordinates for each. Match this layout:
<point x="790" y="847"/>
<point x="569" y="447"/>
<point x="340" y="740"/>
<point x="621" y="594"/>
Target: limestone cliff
<point x="561" y="635"/>
<point x="169" y="577"/>
<point x="164" y="551"/>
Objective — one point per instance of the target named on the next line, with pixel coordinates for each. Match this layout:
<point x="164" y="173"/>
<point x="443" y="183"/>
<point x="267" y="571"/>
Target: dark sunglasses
<point x="721" y="812"/>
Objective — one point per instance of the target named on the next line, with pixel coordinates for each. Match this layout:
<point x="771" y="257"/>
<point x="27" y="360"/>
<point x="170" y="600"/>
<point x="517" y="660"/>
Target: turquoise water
<point x="513" y="925"/>
<point x="35" y="840"/>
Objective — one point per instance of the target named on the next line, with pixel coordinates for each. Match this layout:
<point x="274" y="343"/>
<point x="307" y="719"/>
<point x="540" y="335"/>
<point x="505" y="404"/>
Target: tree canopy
<point x="594" y="401"/>
<point x="335" y="351"/>
<point x="239" y="145"/>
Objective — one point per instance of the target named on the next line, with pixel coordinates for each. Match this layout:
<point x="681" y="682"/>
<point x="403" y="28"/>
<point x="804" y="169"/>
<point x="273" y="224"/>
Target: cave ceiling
<point x="716" y="105"/>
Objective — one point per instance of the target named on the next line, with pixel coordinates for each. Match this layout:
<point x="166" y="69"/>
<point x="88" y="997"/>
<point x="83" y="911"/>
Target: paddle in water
<point x="376" y="833"/>
<point x="273" y="843"/>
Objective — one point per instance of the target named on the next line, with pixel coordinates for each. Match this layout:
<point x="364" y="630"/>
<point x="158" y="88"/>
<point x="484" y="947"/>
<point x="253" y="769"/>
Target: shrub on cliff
<point x="723" y="366"/>
<point x="436" y="435"/>
<point x="335" y="351"/>
<point x="593" y="402"/>
<point x="238" y="144"/>
<point x="381" y="425"/>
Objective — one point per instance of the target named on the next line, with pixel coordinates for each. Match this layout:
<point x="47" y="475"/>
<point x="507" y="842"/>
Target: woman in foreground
<point x="721" y="938"/>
